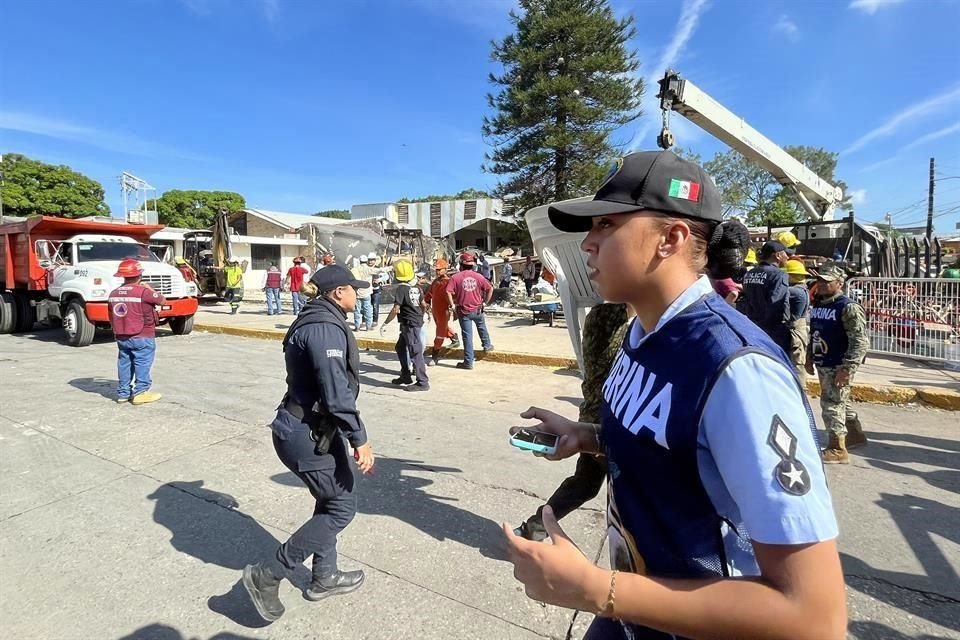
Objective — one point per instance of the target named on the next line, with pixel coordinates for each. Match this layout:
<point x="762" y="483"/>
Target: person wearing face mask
<point x="720" y="523"/>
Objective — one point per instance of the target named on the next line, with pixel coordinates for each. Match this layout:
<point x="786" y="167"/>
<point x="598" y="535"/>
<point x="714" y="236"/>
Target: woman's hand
<point x="364" y="457"/>
<point x="557" y="573"/>
<point x="575" y="437"/>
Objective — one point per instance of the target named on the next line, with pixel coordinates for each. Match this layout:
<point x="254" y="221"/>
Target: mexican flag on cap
<point x="685" y="190"/>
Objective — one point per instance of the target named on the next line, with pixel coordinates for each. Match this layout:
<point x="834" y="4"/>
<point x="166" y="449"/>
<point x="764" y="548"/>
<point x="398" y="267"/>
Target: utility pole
<point x="930" y="205"/>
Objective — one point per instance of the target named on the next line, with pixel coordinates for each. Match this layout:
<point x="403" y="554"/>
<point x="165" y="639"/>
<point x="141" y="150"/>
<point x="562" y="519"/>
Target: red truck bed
<point x="19" y="266"/>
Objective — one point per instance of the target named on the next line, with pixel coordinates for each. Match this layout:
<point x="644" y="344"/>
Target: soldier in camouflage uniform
<point x="603" y="333"/>
<point x="838" y="345"/>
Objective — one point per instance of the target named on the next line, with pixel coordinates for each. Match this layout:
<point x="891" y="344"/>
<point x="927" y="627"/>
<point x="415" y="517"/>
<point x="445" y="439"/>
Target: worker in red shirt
<point x="133" y="317"/>
<point x="295" y="277"/>
<point x="467" y="292"/>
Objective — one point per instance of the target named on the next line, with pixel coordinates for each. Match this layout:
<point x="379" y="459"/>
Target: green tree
<point x="195" y="209"/>
<point x="568" y="81"/>
<point x="31" y="187"/>
<point x="748" y="189"/>
<point x="343" y="214"/>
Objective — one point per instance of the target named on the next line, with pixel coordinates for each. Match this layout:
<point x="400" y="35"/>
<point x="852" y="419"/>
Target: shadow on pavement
<point x="101" y="386"/>
<point x="861" y="630"/>
<point x="922" y="523"/>
<point x="392" y="492"/>
<point x="206" y="524"/>
<point x="933" y="452"/>
<point x="164" y="632"/>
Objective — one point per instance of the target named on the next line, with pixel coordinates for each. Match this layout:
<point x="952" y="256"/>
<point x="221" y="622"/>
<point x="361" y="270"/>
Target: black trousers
<point x="581" y="487"/>
<point x="410" y="348"/>
<point x="330" y="478"/>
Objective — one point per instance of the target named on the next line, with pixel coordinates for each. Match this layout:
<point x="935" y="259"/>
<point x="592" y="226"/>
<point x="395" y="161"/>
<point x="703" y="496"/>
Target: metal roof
<point x="292" y="220"/>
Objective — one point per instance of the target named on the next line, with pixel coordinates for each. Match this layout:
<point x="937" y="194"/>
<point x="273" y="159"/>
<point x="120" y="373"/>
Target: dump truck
<point x="61" y="271"/>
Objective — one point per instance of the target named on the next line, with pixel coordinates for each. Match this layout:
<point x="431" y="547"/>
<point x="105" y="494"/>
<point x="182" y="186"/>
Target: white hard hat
<point x="363" y="258"/>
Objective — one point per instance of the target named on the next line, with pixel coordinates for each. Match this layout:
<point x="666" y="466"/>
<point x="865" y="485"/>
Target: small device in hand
<point x="537" y="441"/>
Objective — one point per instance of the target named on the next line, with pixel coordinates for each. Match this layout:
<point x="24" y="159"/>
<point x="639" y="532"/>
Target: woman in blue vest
<point x="719" y="519"/>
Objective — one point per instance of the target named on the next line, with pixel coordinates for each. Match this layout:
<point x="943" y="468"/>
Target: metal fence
<point x="911" y="317"/>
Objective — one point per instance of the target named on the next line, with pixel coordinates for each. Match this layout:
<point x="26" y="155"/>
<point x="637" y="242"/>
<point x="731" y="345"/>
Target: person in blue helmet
<point x="720" y="523"/>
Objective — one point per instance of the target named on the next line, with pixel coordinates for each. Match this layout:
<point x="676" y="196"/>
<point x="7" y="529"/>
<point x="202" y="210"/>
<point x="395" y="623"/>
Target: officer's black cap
<point x="770" y="248"/>
<point x="333" y="276"/>
<point x="650" y="180"/>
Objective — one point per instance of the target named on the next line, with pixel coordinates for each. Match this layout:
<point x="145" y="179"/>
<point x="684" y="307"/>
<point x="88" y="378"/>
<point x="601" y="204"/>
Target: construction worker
<point x="316" y="419"/>
<point x="799" y="324"/>
<point x="133" y="317"/>
<point x="233" y="273"/>
<point x="272" y="287"/>
<point x="763" y="298"/>
<point x="750" y="260"/>
<point x="790" y="241"/>
<point x="296" y="276"/>
<point x="409" y="308"/>
<point x="467" y="292"/>
<point x="363" y="314"/>
<point x="377" y="289"/>
<point x="603" y="332"/>
<point x="838" y="345"/>
<point x="436" y="297"/>
<point x="529" y="275"/>
<point x="720" y="522"/>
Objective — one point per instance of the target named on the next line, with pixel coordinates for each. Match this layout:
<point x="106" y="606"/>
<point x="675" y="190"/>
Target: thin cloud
<point x="857" y="196"/>
<point x="106" y="140"/>
<point x="686" y="26"/>
<point x="787" y="27"/>
<point x="936" y="135"/>
<point x="912" y="112"/>
<point x="870" y="7"/>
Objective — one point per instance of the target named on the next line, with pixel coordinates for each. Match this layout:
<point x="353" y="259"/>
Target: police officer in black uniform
<point x="765" y="294"/>
<point x="316" y="419"/>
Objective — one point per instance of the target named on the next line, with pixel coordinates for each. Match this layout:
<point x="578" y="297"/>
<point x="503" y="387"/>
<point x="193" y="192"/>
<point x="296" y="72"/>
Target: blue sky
<point x="304" y="105"/>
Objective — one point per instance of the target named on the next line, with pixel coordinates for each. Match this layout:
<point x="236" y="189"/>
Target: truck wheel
<point x="181" y="325"/>
<point x="26" y="314"/>
<point x="8" y="312"/>
<point x="80" y="331"/>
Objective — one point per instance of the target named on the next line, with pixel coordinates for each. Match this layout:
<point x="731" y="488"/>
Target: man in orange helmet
<point x="440" y="307"/>
<point x="133" y="317"/>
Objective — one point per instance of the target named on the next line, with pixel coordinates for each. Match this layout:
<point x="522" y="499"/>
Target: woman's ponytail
<point x="726" y="249"/>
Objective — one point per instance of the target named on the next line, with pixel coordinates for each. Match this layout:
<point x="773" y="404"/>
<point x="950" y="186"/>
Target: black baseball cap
<point x="335" y="275"/>
<point x="772" y="247"/>
<point x="653" y="180"/>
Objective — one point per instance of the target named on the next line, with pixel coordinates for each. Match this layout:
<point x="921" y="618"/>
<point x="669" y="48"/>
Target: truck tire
<point x="181" y="325"/>
<point x="80" y="331"/>
<point x="8" y="312"/>
<point x="26" y="314"/>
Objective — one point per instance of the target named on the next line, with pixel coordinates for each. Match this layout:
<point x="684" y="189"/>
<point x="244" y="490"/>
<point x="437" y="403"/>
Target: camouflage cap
<point x="830" y="271"/>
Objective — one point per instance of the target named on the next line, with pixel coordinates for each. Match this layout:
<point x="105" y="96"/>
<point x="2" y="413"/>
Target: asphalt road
<point x="134" y="522"/>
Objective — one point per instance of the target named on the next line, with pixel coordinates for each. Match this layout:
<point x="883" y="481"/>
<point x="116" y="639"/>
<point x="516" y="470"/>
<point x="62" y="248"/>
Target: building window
<point x="459" y="244"/>
<point x="403" y="214"/>
<point x="435" y="219"/>
<point x="470" y="210"/>
<point x="263" y="256"/>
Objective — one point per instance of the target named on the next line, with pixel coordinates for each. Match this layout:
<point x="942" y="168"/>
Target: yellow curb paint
<point x="880" y="394"/>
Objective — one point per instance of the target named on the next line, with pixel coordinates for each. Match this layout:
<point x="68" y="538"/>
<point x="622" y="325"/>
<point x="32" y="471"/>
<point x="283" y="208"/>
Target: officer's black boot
<point x="337" y="584"/>
<point x="264" y="590"/>
<point x="405" y="378"/>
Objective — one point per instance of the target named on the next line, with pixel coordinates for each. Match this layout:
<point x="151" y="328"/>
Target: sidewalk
<point x="883" y="379"/>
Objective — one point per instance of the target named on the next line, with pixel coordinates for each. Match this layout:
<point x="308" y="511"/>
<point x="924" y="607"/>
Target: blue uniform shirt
<point x="711" y="445"/>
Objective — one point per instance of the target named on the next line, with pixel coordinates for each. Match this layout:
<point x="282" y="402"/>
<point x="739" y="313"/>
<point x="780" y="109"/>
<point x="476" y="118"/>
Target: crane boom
<point x="817" y="196"/>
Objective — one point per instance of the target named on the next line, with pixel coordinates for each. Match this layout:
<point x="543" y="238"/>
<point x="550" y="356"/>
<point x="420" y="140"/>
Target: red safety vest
<point x="274" y="280"/>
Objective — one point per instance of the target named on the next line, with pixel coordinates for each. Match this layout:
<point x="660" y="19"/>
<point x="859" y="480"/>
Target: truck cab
<point x="81" y="270"/>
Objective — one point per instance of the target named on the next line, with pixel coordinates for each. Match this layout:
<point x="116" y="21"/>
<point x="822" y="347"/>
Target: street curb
<point x="375" y="344"/>
<point x="883" y="394"/>
<point x="872" y="393"/>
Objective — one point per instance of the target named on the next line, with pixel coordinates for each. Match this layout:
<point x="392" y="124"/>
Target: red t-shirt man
<point x="295" y="276"/>
<point x="469" y="290"/>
